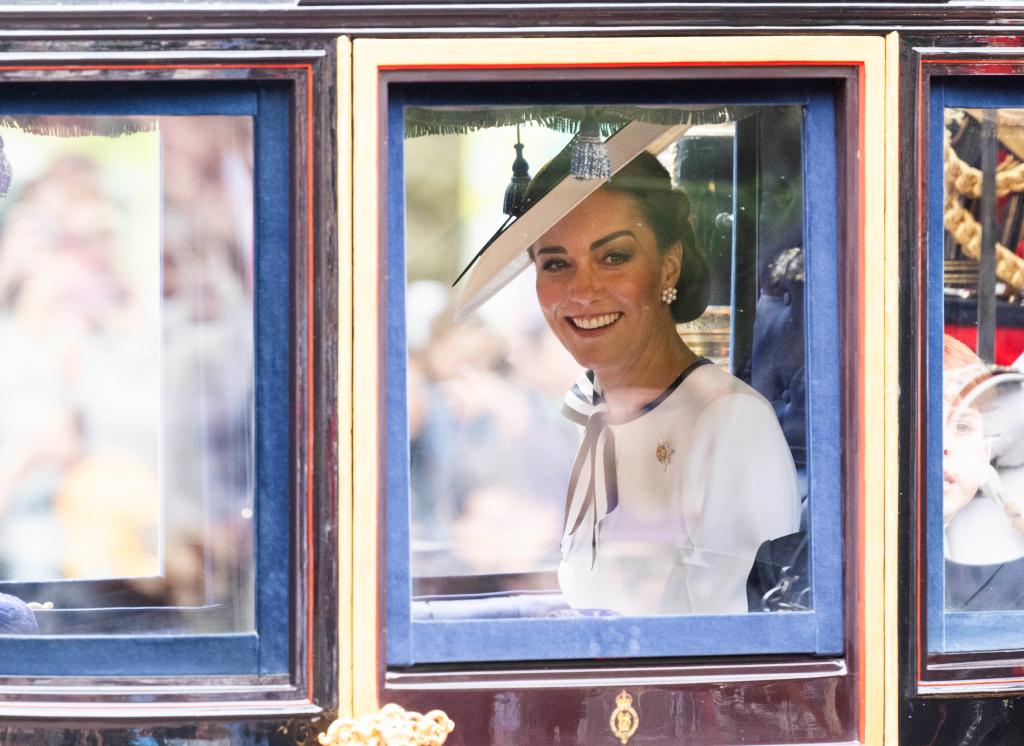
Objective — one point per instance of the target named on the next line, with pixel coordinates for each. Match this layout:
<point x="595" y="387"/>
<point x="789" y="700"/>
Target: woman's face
<point x="599" y="281"/>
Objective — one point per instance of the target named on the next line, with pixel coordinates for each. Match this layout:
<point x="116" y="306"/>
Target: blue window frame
<point x="412" y="641"/>
<point x="266" y="648"/>
<point x="956" y="630"/>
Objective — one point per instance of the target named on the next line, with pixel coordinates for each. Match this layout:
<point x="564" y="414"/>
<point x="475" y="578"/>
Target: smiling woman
<point x="654" y="515"/>
<point x="599" y="290"/>
<point x="673" y="524"/>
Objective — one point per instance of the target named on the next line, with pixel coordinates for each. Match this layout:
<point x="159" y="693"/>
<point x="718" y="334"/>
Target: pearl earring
<point x="668" y="295"/>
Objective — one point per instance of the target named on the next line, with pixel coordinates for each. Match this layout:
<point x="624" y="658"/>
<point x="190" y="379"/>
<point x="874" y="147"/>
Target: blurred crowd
<point x="127" y="334"/>
<point x="489" y="450"/>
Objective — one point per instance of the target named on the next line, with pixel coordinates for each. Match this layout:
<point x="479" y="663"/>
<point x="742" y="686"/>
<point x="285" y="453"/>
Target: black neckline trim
<point x="649" y="406"/>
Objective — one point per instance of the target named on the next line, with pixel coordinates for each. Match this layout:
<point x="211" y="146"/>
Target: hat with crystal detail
<point x="504" y="256"/>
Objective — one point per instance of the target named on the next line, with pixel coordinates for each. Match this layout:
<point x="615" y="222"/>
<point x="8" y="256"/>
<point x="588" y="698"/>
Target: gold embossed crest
<point x="624" y="720"/>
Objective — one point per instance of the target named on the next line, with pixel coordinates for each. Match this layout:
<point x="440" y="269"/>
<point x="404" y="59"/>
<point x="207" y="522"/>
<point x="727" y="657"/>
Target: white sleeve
<point x="744" y="474"/>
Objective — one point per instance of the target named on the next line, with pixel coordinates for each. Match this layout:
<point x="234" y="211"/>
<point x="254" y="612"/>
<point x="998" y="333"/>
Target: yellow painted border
<point x="891" y="367"/>
<point x="873" y="400"/>
<point x="364" y="370"/>
<point x="371" y="56"/>
<point x="343" y="104"/>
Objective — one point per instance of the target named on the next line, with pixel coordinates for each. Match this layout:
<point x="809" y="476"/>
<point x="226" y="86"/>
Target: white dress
<point x="668" y="506"/>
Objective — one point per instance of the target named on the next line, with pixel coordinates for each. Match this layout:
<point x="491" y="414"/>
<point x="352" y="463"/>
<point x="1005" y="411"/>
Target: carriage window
<point x="976" y="518"/>
<point x="610" y="373"/>
<point x="143" y="451"/>
<point x="127" y="445"/>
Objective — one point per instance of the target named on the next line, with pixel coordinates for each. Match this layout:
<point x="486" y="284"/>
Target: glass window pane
<point x="649" y="485"/>
<point x="126" y="451"/>
<point x="976" y="544"/>
<point x="983" y="377"/>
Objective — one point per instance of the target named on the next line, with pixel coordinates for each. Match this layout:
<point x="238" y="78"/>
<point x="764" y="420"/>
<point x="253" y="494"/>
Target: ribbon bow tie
<point x="593" y="484"/>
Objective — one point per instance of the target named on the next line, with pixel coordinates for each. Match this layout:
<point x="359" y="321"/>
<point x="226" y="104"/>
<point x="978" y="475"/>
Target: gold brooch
<point x="664" y="454"/>
<point x="624" y="720"/>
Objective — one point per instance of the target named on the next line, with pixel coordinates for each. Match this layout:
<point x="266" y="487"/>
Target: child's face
<point x="965" y="457"/>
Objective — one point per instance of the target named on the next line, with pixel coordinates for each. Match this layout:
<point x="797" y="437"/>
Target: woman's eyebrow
<point x="593" y="247"/>
<point x="548" y="250"/>
<point x="610" y="237"/>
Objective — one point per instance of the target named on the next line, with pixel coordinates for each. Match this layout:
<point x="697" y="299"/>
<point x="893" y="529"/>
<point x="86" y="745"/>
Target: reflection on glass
<point x="126" y="476"/>
<point x="983" y="352"/>
<point x="614" y="430"/>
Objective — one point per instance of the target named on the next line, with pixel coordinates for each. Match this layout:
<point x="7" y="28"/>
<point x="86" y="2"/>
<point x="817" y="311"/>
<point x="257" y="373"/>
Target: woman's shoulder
<point x="737" y="434"/>
<point x="721" y="407"/>
<point x="717" y="389"/>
